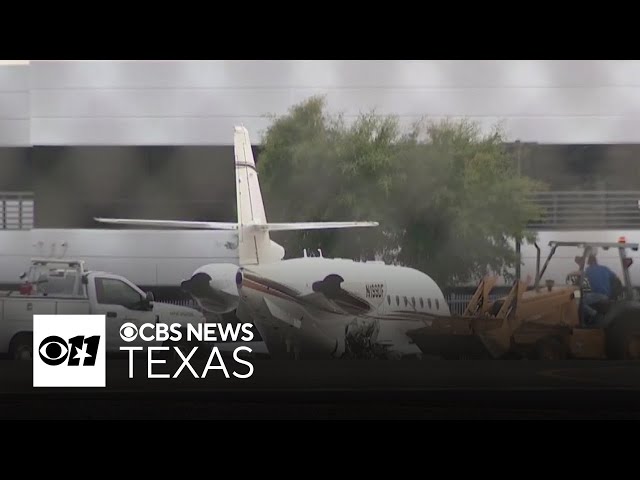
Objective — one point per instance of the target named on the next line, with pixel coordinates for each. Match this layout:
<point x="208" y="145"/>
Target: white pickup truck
<point x="65" y="287"/>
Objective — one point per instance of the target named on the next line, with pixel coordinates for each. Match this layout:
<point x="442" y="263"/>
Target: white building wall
<point x="198" y="102"/>
<point x="14" y="105"/>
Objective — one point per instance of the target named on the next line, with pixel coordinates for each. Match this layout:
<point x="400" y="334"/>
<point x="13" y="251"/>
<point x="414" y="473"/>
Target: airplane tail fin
<point x="254" y="243"/>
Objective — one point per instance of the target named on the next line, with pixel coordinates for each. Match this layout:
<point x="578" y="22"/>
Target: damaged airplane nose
<point x="213" y="288"/>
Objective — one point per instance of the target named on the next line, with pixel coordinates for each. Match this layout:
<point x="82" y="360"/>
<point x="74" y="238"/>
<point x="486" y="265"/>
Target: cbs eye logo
<point x="55" y="350"/>
<point x="128" y="332"/>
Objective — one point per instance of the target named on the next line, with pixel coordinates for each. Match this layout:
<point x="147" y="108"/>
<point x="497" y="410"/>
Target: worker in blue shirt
<point x="600" y="277"/>
<point x="600" y="280"/>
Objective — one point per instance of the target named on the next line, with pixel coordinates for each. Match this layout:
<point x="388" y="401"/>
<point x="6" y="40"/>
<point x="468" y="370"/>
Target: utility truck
<point x="64" y="286"/>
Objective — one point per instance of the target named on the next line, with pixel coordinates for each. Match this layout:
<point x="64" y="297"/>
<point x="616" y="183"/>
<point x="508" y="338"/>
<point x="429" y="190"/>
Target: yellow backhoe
<point x="542" y="321"/>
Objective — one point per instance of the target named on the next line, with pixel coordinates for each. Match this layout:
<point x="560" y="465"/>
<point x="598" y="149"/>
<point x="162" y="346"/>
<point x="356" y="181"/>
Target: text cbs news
<point x="184" y="338"/>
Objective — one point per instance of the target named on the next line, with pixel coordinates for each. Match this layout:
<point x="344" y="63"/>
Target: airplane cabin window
<point x="421" y="303"/>
<point x="406" y="302"/>
<point x="429" y="303"/>
<point x="397" y="300"/>
<point x="389" y="299"/>
<point x="437" y="304"/>
<point x="413" y="302"/>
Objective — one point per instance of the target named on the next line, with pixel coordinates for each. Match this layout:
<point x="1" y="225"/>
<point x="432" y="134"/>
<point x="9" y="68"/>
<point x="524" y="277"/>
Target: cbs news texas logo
<point x="69" y="351"/>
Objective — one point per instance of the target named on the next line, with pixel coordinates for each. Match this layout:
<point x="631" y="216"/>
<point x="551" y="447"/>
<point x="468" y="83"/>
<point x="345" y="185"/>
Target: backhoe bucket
<point x="479" y="335"/>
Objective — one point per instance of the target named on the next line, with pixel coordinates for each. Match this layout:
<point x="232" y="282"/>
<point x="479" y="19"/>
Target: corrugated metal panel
<point x="197" y="102"/>
<point x="14" y="105"/>
<point x="588" y="210"/>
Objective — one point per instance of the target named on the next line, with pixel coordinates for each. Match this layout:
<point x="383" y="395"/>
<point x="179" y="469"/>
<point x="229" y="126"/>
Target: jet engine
<point x="214" y="287"/>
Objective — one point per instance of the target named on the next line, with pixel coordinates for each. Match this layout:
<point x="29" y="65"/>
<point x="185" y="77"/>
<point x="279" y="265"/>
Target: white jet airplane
<point x="311" y="306"/>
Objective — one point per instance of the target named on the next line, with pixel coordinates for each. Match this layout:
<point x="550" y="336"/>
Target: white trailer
<point x="149" y="258"/>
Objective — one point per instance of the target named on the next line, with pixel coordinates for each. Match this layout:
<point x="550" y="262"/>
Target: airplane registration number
<point x="374" y="290"/>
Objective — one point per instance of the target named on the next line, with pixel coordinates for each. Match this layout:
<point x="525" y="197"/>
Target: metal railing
<point x="458" y="301"/>
<point x="16" y="210"/>
<point x="594" y="209"/>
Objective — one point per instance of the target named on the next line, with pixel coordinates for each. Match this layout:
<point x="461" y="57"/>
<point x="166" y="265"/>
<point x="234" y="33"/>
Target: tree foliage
<point x="448" y="198"/>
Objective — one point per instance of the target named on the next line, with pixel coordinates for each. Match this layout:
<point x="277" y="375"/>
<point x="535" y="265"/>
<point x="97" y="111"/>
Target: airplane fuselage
<point x="321" y="307"/>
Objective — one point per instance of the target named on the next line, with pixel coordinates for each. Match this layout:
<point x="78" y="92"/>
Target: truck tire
<point x="21" y="347"/>
<point x="623" y="337"/>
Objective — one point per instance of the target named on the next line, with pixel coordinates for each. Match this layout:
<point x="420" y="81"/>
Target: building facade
<point x="153" y="138"/>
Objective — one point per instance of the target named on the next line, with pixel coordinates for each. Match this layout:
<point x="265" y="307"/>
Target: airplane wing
<point x="233" y="226"/>
<point x="274" y="227"/>
<point x="282" y="314"/>
<point x="170" y="223"/>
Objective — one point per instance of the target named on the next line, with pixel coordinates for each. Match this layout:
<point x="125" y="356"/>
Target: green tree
<point x="448" y="197"/>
